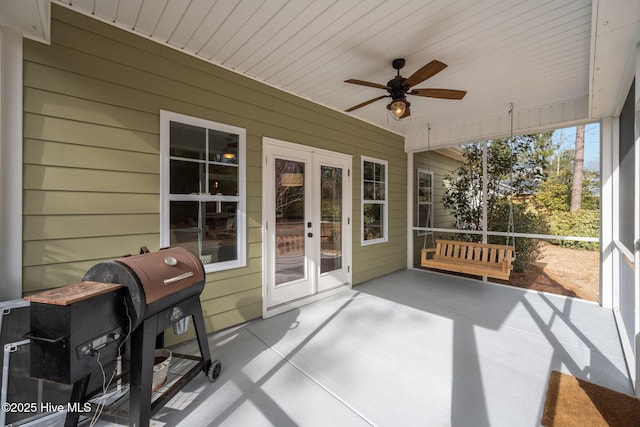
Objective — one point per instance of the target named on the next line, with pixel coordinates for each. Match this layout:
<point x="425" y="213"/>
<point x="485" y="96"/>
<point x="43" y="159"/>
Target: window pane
<point x="223" y="147"/>
<point x="373" y="181"/>
<point x="223" y="180"/>
<point x="221" y="232"/>
<point x="369" y="171"/>
<point x="187" y="141"/>
<point x="207" y="229"/>
<point x="379" y="174"/>
<point x="380" y="191"/>
<point x="369" y="191"/>
<point x="424" y="187"/>
<point x="373" y="219"/>
<point x="184" y="225"/>
<point x="187" y="177"/>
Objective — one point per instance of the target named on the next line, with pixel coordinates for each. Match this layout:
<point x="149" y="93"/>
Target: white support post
<point x="10" y="164"/>
<point x="411" y="182"/>
<point x="636" y="236"/>
<point x="606" y="212"/>
<point x="485" y="197"/>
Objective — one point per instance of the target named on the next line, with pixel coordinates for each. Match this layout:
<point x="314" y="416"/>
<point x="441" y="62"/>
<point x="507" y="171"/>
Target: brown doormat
<point x="574" y="402"/>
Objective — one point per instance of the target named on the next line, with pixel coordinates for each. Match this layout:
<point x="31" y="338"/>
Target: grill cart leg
<point x="78" y="393"/>
<point x="201" y="334"/>
<point x="210" y="369"/>
<point x="143" y="342"/>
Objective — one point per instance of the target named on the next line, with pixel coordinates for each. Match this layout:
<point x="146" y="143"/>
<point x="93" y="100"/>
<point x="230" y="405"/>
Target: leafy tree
<point x="515" y="167"/>
<point x="555" y="197"/>
<point x="554" y="194"/>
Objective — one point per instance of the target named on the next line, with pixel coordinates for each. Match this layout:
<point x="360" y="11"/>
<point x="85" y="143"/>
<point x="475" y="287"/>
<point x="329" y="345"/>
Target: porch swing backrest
<point x="479" y="259"/>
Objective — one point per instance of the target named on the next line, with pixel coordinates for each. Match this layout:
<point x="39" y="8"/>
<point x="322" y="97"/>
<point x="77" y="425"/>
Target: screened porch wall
<point x="441" y="166"/>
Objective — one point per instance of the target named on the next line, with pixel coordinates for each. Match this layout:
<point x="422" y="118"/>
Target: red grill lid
<point x="165" y="272"/>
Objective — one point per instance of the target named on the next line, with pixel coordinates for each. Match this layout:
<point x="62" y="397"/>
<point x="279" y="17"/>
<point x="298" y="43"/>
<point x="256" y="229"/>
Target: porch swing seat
<point x="478" y="259"/>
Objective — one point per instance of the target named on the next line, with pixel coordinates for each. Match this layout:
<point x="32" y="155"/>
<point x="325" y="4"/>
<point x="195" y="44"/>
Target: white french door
<point x="306" y="222"/>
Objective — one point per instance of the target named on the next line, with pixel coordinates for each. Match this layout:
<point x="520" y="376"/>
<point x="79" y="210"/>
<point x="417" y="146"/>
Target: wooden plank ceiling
<point x="532" y="53"/>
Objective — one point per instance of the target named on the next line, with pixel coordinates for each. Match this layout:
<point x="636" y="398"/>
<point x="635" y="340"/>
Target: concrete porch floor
<point x="412" y="348"/>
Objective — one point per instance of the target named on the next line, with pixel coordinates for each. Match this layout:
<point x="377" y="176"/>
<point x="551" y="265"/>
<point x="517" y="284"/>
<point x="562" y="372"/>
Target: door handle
<point x="309" y="234"/>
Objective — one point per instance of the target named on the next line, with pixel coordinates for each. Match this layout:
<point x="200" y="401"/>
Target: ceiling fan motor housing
<point x="397" y="88"/>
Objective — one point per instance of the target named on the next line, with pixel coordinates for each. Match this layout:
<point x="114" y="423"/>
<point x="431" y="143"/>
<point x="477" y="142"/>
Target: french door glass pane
<point x="290" y="227"/>
<point x="331" y="218"/>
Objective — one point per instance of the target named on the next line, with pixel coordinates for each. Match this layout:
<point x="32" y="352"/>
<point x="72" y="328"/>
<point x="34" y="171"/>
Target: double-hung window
<point x="202" y="176"/>
<point x="374" y="201"/>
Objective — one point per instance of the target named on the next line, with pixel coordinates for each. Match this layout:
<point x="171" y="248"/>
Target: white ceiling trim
<point x="541" y="119"/>
<point x="535" y="54"/>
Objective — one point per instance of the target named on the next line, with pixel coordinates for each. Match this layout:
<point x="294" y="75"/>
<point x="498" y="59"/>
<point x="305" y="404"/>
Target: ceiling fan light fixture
<point x="398" y="108"/>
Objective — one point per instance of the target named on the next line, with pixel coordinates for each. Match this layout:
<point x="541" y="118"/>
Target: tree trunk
<point x="578" y="167"/>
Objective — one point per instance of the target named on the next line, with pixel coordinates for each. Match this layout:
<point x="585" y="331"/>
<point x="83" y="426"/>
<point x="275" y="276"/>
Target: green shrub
<point x="524" y="221"/>
<point x="583" y="223"/>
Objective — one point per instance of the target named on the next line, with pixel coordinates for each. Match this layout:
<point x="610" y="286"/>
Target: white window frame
<point x="166" y="117"/>
<point x="429" y="222"/>
<point x="384" y="203"/>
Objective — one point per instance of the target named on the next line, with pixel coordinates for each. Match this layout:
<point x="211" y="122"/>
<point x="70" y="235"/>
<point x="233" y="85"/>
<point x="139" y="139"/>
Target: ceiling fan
<point x="399" y="87"/>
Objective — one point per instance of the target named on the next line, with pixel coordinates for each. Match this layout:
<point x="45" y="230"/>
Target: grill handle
<point x="178" y="278"/>
<point x="30" y="336"/>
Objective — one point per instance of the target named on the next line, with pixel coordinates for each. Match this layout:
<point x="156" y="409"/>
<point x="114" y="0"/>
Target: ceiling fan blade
<point x="364" y="83"/>
<point x="439" y="93"/>
<point x="429" y="70"/>
<point x="365" y="103"/>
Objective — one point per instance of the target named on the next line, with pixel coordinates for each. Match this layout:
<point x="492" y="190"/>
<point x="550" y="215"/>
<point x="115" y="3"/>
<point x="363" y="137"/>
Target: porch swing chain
<point x="510" y="226"/>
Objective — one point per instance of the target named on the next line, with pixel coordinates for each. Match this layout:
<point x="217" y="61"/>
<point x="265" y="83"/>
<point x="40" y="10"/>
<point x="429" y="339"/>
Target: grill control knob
<point x="169" y="260"/>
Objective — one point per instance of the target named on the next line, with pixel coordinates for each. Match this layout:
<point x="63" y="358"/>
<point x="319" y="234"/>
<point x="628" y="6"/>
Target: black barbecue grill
<point x="160" y="289"/>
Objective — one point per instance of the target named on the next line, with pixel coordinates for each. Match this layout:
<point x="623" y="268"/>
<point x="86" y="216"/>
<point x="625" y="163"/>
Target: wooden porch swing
<point x="478" y="259"/>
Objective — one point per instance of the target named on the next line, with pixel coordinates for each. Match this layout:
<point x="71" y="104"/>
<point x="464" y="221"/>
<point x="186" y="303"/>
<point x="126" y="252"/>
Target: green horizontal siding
<point x="46" y="276"/>
<point x="91" y="187"/>
<point x="47" y="227"/>
<point x="39" y="177"/>
<point x="38" y="252"/>
<point x="73" y="202"/>
<point x="68" y="131"/>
